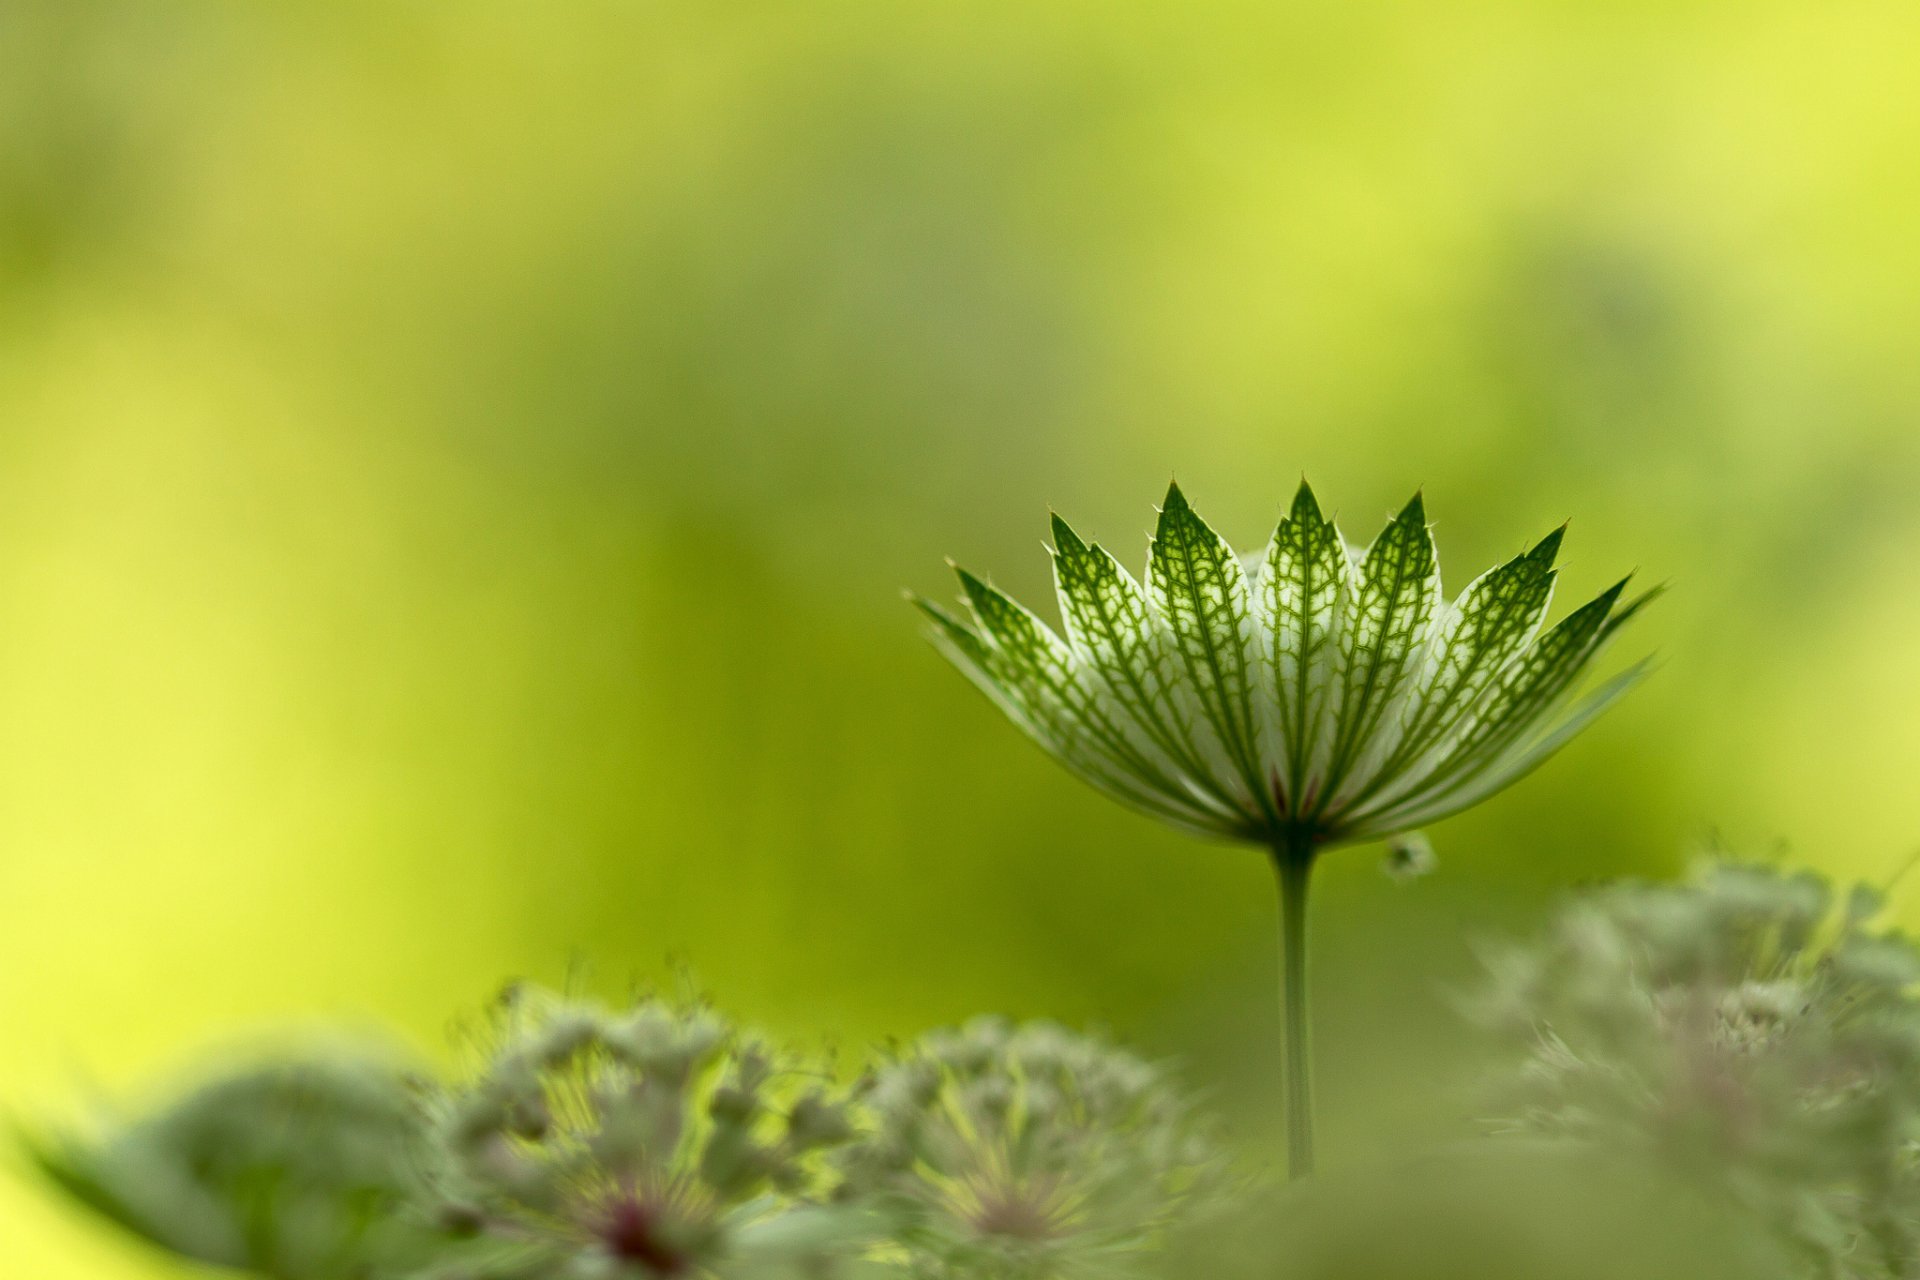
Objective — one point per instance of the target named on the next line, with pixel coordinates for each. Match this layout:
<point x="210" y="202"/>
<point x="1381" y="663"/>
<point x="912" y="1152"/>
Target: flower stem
<point x="1293" y="858"/>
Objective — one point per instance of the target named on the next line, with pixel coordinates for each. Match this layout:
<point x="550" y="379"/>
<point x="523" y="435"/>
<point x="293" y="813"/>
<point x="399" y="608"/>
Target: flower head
<point x="1027" y="1152"/>
<point x="1321" y="694"/>
<point x="1746" y="1032"/>
<point x="639" y="1144"/>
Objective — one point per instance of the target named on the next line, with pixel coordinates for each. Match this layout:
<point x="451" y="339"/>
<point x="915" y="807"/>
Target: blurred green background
<point x="459" y="463"/>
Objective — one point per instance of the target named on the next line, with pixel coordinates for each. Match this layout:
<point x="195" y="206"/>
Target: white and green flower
<point x="1315" y="692"/>
<point x="1317" y="695"/>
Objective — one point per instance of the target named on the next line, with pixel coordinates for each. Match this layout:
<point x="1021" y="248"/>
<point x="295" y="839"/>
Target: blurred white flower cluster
<point x="1747" y="1030"/>
<point x="659" y="1140"/>
<point x="1009" y="1152"/>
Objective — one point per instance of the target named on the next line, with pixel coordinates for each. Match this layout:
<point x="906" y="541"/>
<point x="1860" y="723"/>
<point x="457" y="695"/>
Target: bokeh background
<point x="459" y="464"/>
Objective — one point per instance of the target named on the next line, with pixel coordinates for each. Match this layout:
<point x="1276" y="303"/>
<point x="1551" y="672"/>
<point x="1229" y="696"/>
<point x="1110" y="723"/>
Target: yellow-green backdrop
<point x="459" y="463"/>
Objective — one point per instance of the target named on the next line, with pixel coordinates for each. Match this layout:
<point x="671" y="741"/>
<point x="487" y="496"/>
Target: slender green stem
<point x="1293" y="857"/>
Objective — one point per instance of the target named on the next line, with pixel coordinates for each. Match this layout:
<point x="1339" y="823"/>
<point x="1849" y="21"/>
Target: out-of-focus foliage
<point x="298" y="1170"/>
<point x="1757" y="1038"/>
<point x="458" y="464"/>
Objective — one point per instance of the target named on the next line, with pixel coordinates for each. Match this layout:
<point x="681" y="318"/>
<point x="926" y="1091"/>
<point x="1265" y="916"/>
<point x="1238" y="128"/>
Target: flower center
<point x="632" y="1233"/>
<point x="1018" y="1213"/>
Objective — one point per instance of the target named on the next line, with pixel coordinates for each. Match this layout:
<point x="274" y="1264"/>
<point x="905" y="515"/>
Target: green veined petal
<point x="1200" y="589"/>
<point x="1494" y="619"/>
<point x="976" y="660"/>
<point x="1384" y="640"/>
<point x="1543" y="677"/>
<point x="1520" y="703"/>
<point x="1521" y="760"/>
<point x="1299" y="600"/>
<point x="1030" y="674"/>
<point x="1118" y="638"/>
<point x="1031" y="711"/>
<point x="1039" y="663"/>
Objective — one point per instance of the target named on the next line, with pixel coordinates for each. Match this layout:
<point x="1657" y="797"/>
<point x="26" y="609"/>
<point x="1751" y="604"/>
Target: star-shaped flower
<point x="1318" y="695"/>
<point x="1317" y="692"/>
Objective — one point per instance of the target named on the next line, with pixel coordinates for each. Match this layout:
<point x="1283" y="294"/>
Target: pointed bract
<point x="1197" y="585"/>
<point x="1386" y="635"/>
<point x="1304" y="585"/>
<point x="1121" y="642"/>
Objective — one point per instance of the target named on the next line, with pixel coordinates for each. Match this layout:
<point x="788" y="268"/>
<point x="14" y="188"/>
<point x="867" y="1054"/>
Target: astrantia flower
<point x="1027" y="1153"/>
<point x="636" y="1145"/>
<point x="1747" y="1033"/>
<point x="1319" y="693"/>
<point x="1321" y="696"/>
